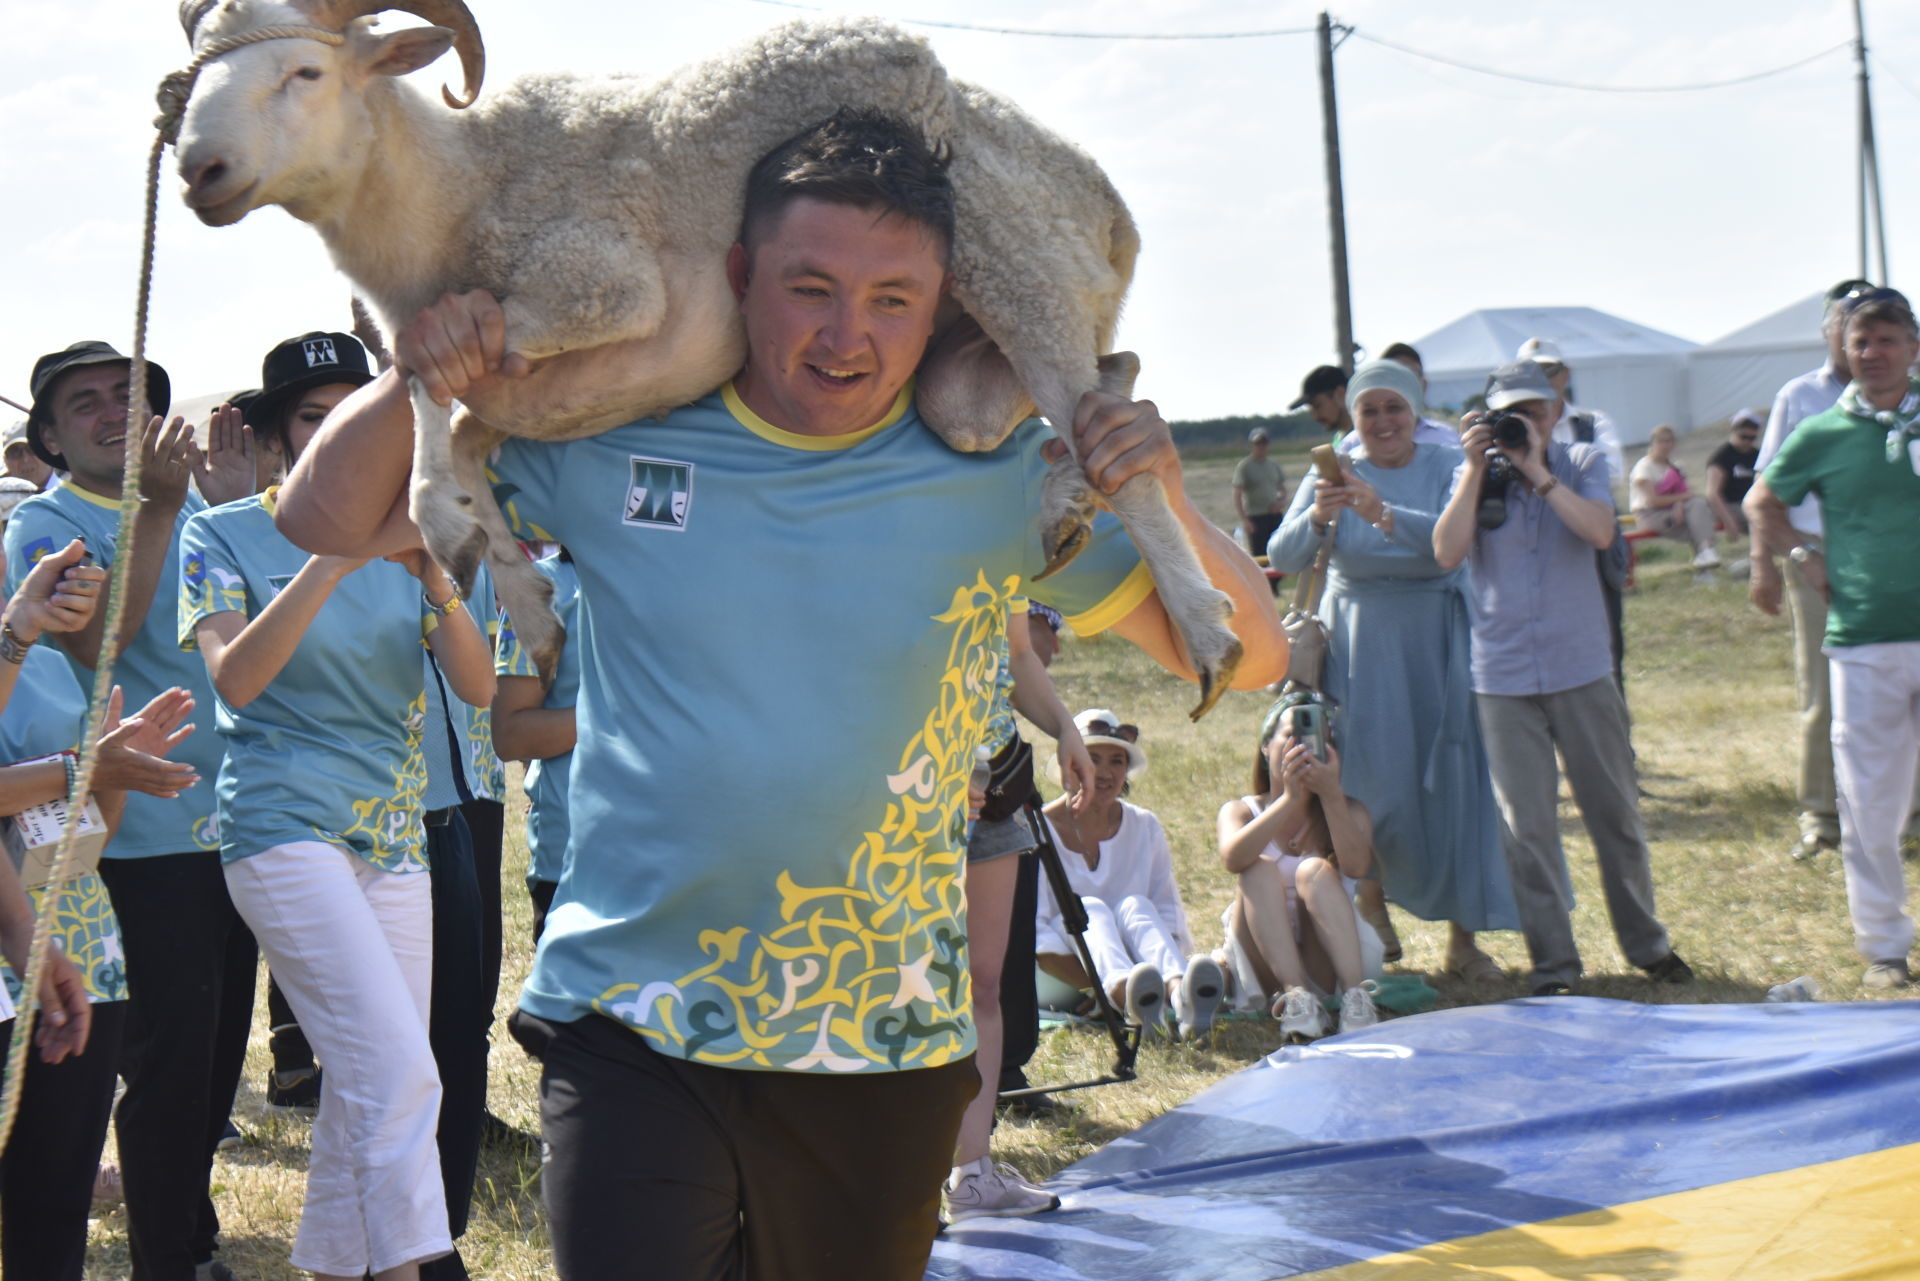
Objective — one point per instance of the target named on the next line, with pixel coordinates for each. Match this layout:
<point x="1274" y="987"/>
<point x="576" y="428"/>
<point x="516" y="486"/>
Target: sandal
<point x="1476" y="967"/>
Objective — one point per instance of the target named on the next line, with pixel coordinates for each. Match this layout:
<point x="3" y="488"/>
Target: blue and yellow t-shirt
<point x="788" y="647"/>
<point x="331" y="749"/>
<point x="48" y="714"/>
<point x="153" y="662"/>
<point x="546" y="780"/>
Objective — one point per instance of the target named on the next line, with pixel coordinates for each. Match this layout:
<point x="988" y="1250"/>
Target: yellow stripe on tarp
<point x="1852" y="1219"/>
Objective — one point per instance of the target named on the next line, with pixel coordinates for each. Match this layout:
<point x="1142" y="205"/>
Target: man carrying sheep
<point x="751" y="996"/>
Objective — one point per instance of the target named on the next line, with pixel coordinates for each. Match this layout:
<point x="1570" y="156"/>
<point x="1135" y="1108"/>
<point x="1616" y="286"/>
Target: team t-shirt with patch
<point x="331" y="749"/>
<point x="46" y="714"/>
<point x="151" y="663"/>
<point x="546" y="780"/>
<point x="788" y="647"/>
<point x="1870" y="502"/>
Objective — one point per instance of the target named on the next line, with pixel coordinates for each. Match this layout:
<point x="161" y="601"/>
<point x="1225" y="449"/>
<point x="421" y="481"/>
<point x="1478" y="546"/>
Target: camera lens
<point x="1509" y="430"/>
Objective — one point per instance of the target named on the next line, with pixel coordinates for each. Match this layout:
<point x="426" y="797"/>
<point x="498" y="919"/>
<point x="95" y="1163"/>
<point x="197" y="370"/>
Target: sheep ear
<point x="401" y="52"/>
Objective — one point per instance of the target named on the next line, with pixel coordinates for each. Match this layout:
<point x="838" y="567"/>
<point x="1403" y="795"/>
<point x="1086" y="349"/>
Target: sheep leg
<point x="439" y="506"/>
<point x="1199" y="611"/>
<point x="525" y="594"/>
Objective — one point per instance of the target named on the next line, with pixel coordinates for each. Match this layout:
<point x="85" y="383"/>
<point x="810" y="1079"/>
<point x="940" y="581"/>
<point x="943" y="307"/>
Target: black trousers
<point x="1019" y="1004"/>
<point x="731" y="1175"/>
<point x="457" y="1019"/>
<point x="46" y="1174"/>
<point x="541" y="892"/>
<point x="190" y="973"/>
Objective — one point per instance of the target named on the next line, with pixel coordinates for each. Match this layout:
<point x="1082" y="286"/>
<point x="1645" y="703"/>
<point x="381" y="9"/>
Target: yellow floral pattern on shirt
<point x="870" y="973"/>
<point x="86" y="929"/>
<point x="386" y="830"/>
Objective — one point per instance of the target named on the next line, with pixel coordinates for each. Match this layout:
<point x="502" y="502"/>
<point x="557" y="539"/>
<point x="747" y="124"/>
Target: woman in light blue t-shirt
<point x="316" y="668"/>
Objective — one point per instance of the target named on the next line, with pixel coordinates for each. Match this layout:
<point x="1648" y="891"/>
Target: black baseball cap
<point x="46" y="374"/>
<point x="316" y="359"/>
<point x="1323" y="379"/>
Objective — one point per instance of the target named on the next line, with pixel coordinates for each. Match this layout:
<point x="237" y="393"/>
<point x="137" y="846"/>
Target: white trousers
<point x="352" y="948"/>
<point x="1131" y="931"/>
<point x="1876" y="748"/>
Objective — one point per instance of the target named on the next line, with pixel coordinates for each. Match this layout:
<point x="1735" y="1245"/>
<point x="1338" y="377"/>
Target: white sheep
<point x="600" y="211"/>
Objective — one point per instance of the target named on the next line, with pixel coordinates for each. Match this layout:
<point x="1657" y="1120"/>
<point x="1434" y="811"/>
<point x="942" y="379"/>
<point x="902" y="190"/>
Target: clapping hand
<point x="226" y="471"/>
<point x="132" y="753"/>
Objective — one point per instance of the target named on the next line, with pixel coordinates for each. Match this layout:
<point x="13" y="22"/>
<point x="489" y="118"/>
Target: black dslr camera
<point x="1510" y="432"/>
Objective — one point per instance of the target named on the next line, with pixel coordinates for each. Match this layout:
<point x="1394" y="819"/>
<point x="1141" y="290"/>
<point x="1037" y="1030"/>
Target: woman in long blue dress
<point x="1398" y="668"/>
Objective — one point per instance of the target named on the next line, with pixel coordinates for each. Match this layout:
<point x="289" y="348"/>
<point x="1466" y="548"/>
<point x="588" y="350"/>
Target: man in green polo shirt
<point x="1862" y="459"/>
<point x="1259" y="492"/>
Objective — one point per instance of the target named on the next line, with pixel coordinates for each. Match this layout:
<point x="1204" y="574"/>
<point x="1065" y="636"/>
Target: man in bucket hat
<point x="189" y="959"/>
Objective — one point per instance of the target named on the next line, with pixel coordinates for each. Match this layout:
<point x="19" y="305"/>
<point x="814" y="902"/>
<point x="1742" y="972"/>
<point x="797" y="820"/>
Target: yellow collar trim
<point x="268" y="498"/>
<point x="817" y="444"/>
<point x="98" y="500"/>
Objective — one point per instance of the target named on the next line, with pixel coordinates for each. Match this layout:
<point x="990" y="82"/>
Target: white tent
<point x="1744" y="369"/>
<point x="1637" y="375"/>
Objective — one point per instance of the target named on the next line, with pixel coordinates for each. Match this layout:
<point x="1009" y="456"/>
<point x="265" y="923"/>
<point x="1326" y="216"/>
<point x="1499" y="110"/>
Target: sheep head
<point x="286" y="121"/>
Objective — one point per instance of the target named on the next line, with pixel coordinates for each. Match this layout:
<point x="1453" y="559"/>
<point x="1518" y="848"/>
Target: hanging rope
<point x="173" y="95"/>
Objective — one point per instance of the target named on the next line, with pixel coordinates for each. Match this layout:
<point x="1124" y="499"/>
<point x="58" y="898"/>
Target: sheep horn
<point x="191" y="12"/>
<point x="451" y="14"/>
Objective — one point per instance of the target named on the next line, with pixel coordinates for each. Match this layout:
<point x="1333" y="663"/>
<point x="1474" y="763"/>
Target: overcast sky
<point x="1691" y="212"/>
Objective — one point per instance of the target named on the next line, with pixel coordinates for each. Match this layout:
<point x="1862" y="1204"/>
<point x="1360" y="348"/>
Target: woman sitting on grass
<point x="1298" y="846"/>
<point x="1117" y="860"/>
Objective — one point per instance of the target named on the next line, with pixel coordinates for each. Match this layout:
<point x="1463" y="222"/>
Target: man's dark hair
<point x="1403" y="351"/>
<point x="856" y="157"/>
<point x="1892" y="310"/>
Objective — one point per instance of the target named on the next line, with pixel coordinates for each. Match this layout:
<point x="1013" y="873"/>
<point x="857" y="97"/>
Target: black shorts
<point x="658" y="1167"/>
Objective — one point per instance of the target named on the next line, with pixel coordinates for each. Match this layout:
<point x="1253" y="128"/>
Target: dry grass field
<point x="1710" y="685"/>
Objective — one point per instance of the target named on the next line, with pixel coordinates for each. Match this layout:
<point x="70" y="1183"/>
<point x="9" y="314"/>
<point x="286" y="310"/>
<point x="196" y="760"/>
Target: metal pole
<point x="1336" y="201"/>
<point x="1869" y="155"/>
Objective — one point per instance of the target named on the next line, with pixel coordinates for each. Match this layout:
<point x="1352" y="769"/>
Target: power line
<point x="1259" y="34"/>
<point x="1596" y="88"/>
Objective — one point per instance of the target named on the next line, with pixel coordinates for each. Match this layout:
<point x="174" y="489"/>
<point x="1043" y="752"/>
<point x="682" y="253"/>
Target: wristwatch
<point x="1803" y="553"/>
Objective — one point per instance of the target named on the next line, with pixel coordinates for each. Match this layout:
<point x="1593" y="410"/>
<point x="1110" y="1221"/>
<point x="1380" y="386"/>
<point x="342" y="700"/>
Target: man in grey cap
<point x="1259" y="492"/>
<point x="1542" y="678"/>
<point x="20" y="460"/>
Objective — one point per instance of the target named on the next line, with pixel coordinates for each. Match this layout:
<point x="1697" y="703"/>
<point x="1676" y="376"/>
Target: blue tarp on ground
<point x="1626" y="1121"/>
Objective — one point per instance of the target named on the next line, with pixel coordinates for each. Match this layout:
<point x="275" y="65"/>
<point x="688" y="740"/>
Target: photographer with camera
<point x="1531" y="512"/>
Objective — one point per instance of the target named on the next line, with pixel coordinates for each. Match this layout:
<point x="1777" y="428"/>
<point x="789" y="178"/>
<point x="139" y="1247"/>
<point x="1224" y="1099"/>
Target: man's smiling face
<point x="839" y="305"/>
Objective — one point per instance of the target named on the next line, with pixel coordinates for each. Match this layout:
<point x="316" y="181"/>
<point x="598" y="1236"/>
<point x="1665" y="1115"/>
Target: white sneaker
<point x="1301" y="1017"/>
<point x="1707" y="559"/>
<point x="1198" y="997"/>
<point x="1147" y="998"/>
<point x="981" y="1188"/>
<point x="1356" y="1006"/>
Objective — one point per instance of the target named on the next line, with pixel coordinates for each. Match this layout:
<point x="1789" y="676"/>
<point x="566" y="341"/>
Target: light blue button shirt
<point x="1539" y="623"/>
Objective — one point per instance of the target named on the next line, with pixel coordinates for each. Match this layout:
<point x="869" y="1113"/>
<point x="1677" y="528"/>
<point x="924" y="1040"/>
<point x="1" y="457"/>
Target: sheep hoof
<point x="546" y="660"/>
<point x="1216" y="678"/>
<point x="1063" y="542"/>
<point x="463" y="563"/>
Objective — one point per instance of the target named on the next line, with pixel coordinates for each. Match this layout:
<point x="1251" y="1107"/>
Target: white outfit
<point x="352" y="948"/>
<point x="1799" y="400"/>
<point x="1606" y="438"/>
<point x="1876" y="749"/>
<point x="1134" y="912"/>
<point x="1373" y="952"/>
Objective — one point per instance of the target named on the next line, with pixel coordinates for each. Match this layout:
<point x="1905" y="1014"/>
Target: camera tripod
<point x="1125" y="1035"/>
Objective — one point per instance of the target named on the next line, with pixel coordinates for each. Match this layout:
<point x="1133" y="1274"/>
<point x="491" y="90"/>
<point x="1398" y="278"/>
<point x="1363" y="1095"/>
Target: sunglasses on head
<point x="1107" y="729"/>
<point x="1861" y="296"/>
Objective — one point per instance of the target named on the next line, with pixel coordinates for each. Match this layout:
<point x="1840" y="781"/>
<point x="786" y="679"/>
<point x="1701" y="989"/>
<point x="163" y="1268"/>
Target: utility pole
<point x="1869" y="159"/>
<point x="1336" y="197"/>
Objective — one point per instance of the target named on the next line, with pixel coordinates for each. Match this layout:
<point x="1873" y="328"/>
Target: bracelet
<point x="72" y="763"/>
<point x="453" y="602"/>
<point x="12" y="648"/>
<point x="1547" y="488"/>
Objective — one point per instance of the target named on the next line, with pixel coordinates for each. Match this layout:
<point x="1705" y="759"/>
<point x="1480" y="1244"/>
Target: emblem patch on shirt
<point x="659" y="493"/>
<point x="319" y="351"/>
